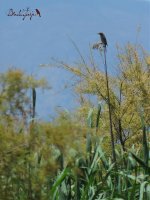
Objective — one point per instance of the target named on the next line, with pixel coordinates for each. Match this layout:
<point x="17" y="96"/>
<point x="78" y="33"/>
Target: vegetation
<point x="71" y="157"/>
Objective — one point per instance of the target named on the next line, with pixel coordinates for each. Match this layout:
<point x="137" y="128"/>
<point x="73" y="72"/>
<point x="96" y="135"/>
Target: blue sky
<point x="27" y="44"/>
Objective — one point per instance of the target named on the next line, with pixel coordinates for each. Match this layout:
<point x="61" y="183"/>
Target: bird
<point x="38" y="12"/>
<point x="103" y="39"/>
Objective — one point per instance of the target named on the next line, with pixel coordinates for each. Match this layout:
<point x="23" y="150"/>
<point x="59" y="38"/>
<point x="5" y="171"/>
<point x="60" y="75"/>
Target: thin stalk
<point x="145" y="148"/>
<point x="30" y="190"/>
<point x="122" y="141"/>
<point x="33" y="103"/>
<point x="109" y="107"/>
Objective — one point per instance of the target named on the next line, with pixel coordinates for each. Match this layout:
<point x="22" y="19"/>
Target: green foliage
<point x="15" y="95"/>
<point x="70" y="158"/>
<point x="129" y="91"/>
<point x="94" y="176"/>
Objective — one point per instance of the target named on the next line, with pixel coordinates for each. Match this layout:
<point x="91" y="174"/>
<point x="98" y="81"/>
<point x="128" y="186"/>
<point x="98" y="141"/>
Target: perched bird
<point x="38" y="12"/>
<point x="103" y="39"/>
